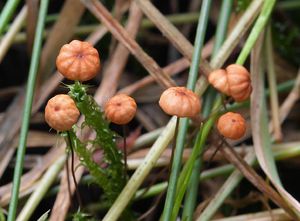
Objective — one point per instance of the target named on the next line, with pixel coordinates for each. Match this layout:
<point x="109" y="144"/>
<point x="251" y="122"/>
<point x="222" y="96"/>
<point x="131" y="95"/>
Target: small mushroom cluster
<point x="79" y="61"/>
<point x="233" y="81"/>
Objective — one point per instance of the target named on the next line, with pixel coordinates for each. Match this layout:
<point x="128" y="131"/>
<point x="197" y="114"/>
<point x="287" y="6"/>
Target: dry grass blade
<point x="59" y="35"/>
<point x="122" y="35"/>
<point x="255" y="179"/>
<point x="272" y="82"/>
<point x="172" y="69"/>
<point x="119" y="59"/>
<point x="261" y="138"/>
<point x="29" y="179"/>
<point x="172" y="33"/>
<point x="33" y="6"/>
<point x="275" y="214"/>
<point x="291" y="99"/>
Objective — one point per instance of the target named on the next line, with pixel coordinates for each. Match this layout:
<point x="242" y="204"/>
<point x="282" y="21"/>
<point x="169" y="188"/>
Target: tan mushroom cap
<point x="78" y="60"/>
<point x="120" y="109"/>
<point x="61" y="112"/>
<point x="180" y="102"/>
<point x="234" y="81"/>
<point x="232" y="125"/>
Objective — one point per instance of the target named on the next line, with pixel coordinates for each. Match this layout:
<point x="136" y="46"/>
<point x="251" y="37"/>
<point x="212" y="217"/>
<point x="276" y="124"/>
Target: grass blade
<point x="27" y="110"/>
<point x="7" y="13"/>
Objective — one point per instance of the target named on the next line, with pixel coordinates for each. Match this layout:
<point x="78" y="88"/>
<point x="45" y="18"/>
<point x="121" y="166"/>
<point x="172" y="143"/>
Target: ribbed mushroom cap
<point x="61" y="112"/>
<point x="78" y="60"/>
<point x="180" y="102"/>
<point x="120" y="109"/>
<point x="239" y="82"/>
<point x="232" y="125"/>
<point x="234" y="81"/>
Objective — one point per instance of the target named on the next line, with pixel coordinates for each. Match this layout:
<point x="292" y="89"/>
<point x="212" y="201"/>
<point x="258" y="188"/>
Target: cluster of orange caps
<point x="79" y="61"/>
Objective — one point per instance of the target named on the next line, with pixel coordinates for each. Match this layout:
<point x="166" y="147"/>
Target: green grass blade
<point x="193" y="75"/>
<point x="27" y="109"/>
<point x="191" y="193"/>
<point x="256" y="30"/>
<point x="7" y="13"/>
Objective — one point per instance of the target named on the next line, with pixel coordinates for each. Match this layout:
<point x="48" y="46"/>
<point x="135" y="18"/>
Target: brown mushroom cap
<point x="180" y="102"/>
<point x="232" y="125"/>
<point x="234" y="81"/>
<point x="61" y="112"/>
<point x="120" y="109"/>
<point x="218" y="78"/>
<point x="239" y="82"/>
<point x="78" y="60"/>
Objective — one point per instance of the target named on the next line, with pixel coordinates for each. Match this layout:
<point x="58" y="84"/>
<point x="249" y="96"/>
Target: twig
<point x="255" y="179"/>
<point x="172" y="33"/>
<point x="118" y="60"/>
<point x="122" y="35"/>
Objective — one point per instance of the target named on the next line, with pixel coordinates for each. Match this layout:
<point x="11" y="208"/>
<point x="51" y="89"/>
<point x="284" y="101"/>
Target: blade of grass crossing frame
<point x="193" y="75"/>
<point x="27" y="109"/>
<point x="191" y="194"/>
<point x="7" y="13"/>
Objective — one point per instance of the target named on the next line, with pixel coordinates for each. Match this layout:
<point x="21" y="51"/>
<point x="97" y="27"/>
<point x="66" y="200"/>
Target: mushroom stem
<point x="68" y="179"/>
<point x="72" y="170"/>
<point x="124" y="151"/>
<point x="174" y="142"/>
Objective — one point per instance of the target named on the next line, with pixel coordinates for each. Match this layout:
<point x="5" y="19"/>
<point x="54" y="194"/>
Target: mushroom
<point x="234" y="81"/>
<point x="121" y="109"/>
<point x="78" y="61"/>
<point x="232" y="125"/>
<point x="61" y="112"/>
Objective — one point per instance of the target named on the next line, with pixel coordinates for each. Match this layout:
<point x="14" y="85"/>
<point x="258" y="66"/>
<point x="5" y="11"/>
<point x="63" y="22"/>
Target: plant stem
<point x="256" y="30"/>
<point x="193" y="75"/>
<point x="27" y="109"/>
<point x="72" y="170"/>
<point x="7" y="13"/>
<point x="68" y="179"/>
<point x="124" y="151"/>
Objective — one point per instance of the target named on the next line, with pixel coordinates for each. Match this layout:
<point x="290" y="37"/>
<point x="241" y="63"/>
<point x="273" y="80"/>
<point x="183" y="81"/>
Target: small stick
<point x="72" y="170"/>
<point x="215" y="152"/>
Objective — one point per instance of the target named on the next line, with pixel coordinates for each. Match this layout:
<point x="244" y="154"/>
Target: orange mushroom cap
<point x="232" y="125"/>
<point x="120" y="109"/>
<point x="234" y="81"/>
<point x="78" y="60"/>
<point x="180" y="102"/>
<point x="61" y="112"/>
